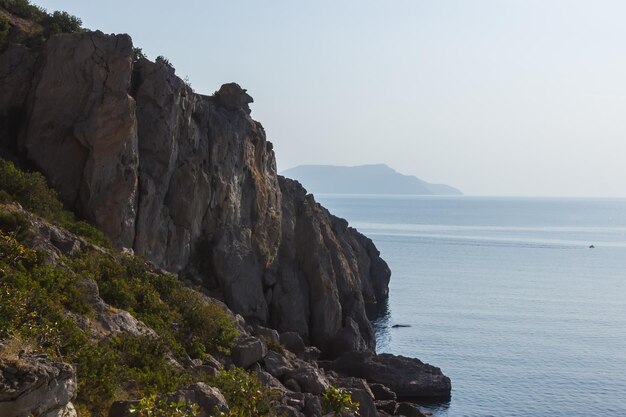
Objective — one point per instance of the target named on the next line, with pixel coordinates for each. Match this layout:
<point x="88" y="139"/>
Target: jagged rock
<point x="269" y="381"/>
<point x="208" y="398"/>
<point x="309" y="378"/>
<point x="295" y="399"/>
<point x="310" y="354"/>
<point x="347" y="339"/>
<point x="287" y="411"/>
<point x="388" y="406"/>
<point x="408" y="410"/>
<point x="292" y="342"/>
<point x="407" y="377"/>
<point x="233" y="97"/>
<point x="312" y="406"/>
<point x="187" y="181"/>
<point x="270" y="334"/>
<point x="382" y="392"/>
<point x="35" y="385"/>
<point x="292" y="385"/>
<point x="276" y="364"/>
<point x="247" y="351"/>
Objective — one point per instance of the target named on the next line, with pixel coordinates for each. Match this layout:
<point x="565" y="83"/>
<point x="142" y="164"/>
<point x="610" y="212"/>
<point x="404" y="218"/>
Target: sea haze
<point x="505" y="295"/>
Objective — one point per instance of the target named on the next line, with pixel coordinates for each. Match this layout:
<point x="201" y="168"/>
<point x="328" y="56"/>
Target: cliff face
<point x="189" y="182"/>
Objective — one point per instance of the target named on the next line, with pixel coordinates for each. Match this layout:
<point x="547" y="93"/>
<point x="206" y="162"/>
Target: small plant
<point x="339" y="401"/>
<point x="138" y="54"/>
<point x="163" y="61"/>
<point x="151" y="407"/>
<point x="15" y="224"/>
<point x="244" y="393"/>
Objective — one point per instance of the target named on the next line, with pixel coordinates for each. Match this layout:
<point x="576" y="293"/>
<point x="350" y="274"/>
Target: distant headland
<point x="363" y="179"/>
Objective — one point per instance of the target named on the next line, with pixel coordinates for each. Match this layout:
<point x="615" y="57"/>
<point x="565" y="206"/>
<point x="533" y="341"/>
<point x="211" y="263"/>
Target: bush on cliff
<point x="31" y="191"/>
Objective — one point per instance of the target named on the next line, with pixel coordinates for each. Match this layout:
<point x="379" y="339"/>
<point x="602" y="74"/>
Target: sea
<point x="520" y="301"/>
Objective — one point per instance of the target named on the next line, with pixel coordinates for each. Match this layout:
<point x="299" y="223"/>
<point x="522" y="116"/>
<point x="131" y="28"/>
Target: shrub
<point x="163" y="61"/>
<point x="15" y="224"/>
<point x="151" y="407"/>
<point x="184" y="318"/>
<point x="62" y="22"/>
<point x="138" y="54"/>
<point x="33" y="193"/>
<point x="244" y="393"/>
<point x="23" y="8"/>
<point x="338" y="401"/>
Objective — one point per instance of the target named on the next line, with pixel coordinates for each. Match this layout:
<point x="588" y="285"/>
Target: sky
<point x="495" y="97"/>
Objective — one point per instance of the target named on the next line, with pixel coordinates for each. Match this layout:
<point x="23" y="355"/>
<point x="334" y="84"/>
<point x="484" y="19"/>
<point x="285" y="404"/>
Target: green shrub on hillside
<point x="186" y="319"/>
<point x="34" y="301"/>
<point x="338" y="401"/>
<point x="31" y="191"/>
<point x="62" y="22"/>
<point x="24" y="9"/>
<point x="244" y="393"/>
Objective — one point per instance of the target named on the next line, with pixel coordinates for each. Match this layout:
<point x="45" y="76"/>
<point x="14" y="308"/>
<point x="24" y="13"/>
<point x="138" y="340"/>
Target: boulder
<point x="36" y="385"/>
<point x="309" y="378"/>
<point x="270" y="335"/>
<point x="409" y="378"/>
<point x="276" y="364"/>
<point x="209" y="399"/>
<point x="292" y="341"/>
<point x="288" y="411"/>
<point x="408" y="410"/>
<point x="247" y="351"/>
<point x="312" y="406"/>
<point x="381" y="392"/>
<point x="388" y="406"/>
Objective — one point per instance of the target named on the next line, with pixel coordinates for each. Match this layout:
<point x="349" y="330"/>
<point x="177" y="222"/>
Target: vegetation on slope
<point x="41" y="306"/>
<point x="38" y="25"/>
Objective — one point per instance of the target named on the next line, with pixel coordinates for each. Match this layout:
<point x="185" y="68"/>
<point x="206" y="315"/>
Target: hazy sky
<point x="495" y="97"/>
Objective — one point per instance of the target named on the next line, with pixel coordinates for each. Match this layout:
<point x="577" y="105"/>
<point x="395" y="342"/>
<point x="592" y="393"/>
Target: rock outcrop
<point x="408" y="378"/>
<point x="36" y="386"/>
<point x="189" y="182"/>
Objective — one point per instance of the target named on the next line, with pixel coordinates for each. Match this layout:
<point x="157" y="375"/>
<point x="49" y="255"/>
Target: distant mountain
<point x="363" y="179"/>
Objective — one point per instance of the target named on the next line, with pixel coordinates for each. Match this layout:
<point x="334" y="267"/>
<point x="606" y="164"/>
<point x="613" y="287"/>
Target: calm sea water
<point x="505" y="295"/>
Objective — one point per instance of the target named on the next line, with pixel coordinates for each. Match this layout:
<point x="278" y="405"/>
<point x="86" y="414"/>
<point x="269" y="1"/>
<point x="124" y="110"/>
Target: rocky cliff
<point x="189" y="182"/>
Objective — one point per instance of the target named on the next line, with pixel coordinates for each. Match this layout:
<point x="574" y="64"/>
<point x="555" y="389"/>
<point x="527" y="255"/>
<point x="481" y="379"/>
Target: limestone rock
<point x="247" y="351"/>
<point x="309" y="378"/>
<point x="292" y="342"/>
<point x="408" y="410"/>
<point x="276" y="364"/>
<point x="407" y="377"/>
<point x="35" y="385"/>
<point x="381" y="392"/>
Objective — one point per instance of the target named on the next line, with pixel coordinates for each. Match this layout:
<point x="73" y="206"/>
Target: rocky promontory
<point x="188" y="182"/>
